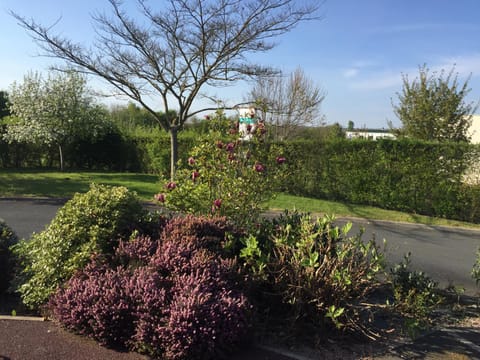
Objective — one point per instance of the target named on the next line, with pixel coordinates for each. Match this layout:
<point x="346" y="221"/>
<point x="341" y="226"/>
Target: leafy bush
<point x="173" y="298"/>
<point x="414" y="293"/>
<point x="225" y="176"/>
<point x="311" y="270"/>
<point x="7" y="259"/>
<point x="476" y="268"/>
<point x="89" y="223"/>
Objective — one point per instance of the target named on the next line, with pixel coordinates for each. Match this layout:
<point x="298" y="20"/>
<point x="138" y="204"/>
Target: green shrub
<point x="311" y="271"/>
<point x="7" y="260"/>
<point x="476" y="268"/>
<point x="414" y="294"/>
<point x="89" y="223"/>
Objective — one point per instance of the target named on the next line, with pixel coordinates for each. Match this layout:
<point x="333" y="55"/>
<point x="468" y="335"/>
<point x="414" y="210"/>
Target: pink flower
<point x="195" y="175"/>
<point x="217" y="203"/>
<point x="191" y="160"/>
<point x="171" y="185"/>
<point x="160" y="197"/>
<point x="280" y="159"/>
<point x="259" y="167"/>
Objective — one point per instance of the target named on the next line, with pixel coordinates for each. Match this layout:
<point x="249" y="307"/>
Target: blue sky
<point x="357" y="52"/>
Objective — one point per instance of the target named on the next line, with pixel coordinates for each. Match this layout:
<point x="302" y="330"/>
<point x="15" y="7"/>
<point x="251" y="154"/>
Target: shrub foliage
<point x="89" y="223"/>
<point x="312" y="271"/>
<point x="7" y="259"/>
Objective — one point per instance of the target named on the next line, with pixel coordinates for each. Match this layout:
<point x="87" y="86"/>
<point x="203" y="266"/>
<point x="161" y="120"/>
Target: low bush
<point x="311" y="271"/>
<point x="415" y="295"/>
<point x="7" y="259"/>
<point x="476" y="268"/>
<point x="173" y="297"/>
<point x="89" y="223"/>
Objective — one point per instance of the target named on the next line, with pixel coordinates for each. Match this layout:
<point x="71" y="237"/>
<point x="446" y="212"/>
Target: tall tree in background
<point x="434" y="107"/>
<point x="175" y="51"/>
<point x="52" y="111"/>
<point x="288" y="103"/>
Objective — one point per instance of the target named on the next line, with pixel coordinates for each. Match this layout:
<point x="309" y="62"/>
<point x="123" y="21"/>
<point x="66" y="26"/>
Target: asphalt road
<point x="446" y="254"/>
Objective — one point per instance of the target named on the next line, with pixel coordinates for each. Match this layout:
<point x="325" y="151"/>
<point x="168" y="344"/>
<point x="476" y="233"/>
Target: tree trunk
<point x="61" y="156"/>
<point x="173" y="151"/>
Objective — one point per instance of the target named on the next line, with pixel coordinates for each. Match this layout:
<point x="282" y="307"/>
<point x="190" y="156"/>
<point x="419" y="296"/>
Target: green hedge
<point x="407" y="175"/>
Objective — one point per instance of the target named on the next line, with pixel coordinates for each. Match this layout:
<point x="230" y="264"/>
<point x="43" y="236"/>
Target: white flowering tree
<point x="52" y="111"/>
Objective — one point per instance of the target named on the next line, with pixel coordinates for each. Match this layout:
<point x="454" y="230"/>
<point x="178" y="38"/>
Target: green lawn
<point x="65" y="184"/>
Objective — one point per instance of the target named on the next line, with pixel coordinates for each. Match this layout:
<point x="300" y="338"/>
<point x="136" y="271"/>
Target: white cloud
<point x="350" y="73"/>
<point x="464" y="64"/>
<point x="390" y="79"/>
<point x="378" y="81"/>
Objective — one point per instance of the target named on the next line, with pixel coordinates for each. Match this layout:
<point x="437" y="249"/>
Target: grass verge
<point x="303" y="204"/>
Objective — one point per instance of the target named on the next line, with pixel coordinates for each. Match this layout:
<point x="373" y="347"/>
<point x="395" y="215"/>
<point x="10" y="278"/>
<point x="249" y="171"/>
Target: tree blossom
<point x="280" y="159"/>
<point x="259" y="167"/>
<point x="160" y="197"/>
<point x="171" y="185"/>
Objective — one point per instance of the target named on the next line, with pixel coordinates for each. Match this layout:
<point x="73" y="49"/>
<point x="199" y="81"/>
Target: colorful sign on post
<point x="247" y="122"/>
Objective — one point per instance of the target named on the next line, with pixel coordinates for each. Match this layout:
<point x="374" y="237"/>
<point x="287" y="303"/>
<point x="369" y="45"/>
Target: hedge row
<point x="406" y="175"/>
<point x="112" y="152"/>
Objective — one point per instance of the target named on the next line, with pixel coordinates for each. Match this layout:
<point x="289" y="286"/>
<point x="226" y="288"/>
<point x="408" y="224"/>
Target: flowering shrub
<point x="88" y="223"/>
<point x="226" y="176"/>
<point x="174" y="297"/>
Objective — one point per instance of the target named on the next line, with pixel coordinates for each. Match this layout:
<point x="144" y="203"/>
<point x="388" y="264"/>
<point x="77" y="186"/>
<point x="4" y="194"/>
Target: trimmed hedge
<point x="406" y="175"/>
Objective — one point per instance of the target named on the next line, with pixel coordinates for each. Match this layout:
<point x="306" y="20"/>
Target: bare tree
<point x="288" y="103"/>
<point x="176" y="50"/>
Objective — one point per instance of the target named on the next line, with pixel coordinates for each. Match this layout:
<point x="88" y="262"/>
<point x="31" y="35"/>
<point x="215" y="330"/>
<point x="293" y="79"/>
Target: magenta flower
<point x="191" y="160"/>
<point x="217" y="203"/>
<point x="171" y="185"/>
<point x="280" y="159"/>
<point x="160" y="197"/>
<point x="219" y="144"/>
<point x="195" y="175"/>
<point x="230" y="147"/>
<point x="259" y="167"/>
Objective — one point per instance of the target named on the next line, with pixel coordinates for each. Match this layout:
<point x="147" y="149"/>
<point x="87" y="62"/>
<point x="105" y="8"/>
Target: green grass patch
<point x="65" y="184"/>
<point x="316" y="206"/>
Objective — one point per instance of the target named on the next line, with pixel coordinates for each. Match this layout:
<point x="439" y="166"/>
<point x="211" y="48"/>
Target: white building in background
<point x="369" y="134"/>
<point x="474" y="131"/>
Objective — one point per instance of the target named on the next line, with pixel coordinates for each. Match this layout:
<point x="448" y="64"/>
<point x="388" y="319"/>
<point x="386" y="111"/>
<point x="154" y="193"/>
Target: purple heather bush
<point x="175" y="297"/>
